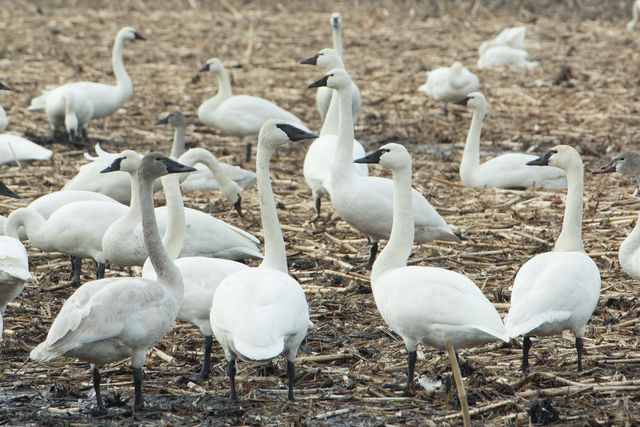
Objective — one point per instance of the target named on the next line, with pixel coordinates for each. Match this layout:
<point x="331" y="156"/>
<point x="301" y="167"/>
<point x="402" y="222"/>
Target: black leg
<point x="412" y="365"/>
<point x="526" y="345"/>
<point x="137" y="385"/>
<point x="248" y="155"/>
<point x="76" y="268"/>
<point x="100" y="271"/>
<point x="372" y="254"/>
<point x="579" y="348"/>
<point x="291" y="371"/>
<point x="206" y="362"/>
<point x="318" y="205"/>
<point x="99" y="409"/>
<point x="231" y="373"/>
<point x="84" y="136"/>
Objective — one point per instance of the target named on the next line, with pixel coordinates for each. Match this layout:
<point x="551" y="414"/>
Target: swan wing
<point x="511" y="171"/>
<point x="14" y="147"/>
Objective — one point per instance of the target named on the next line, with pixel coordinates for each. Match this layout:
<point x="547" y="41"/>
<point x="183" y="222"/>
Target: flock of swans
<point x="190" y="261"/>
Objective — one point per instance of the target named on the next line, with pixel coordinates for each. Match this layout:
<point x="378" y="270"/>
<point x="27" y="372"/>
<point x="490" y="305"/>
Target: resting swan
<point x="447" y="84"/>
<point x="498" y="56"/>
<point x="629" y="252"/>
<point x="239" y="115"/>
<point x="366" y="202"/>
<point x="558" y="290"/>
<point x="323" y="94"/>
<point x="14" y="265"/>
<point x="427" y="305"/>
<point x="511" y="37"/>
<point x="105" y="99"/>
<point x="322" y="151"/>
<point x="505" y="171"/>
<point x="262" y="312"/>
<point x="111" y="319"/>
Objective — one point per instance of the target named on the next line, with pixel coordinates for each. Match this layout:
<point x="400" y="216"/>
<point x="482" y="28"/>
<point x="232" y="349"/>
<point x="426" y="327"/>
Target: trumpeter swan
<point x="105" y="99"/>
<point x="111" y="319"/>
<point x="557" y="290"/>
<point x="505" y="55"/>
<point x="366" y="202"/>
<point x="505" y="171"/>
<point x="447" y="84"/>
<point x="322" y="152"/>
<point x="512" y="37"/>
<point x="427" y="305"/>
<point x="262" y="312"/>
<point x="67" y="107"/>
<point x="238" y="115"/>
<point x="629" y="252"/>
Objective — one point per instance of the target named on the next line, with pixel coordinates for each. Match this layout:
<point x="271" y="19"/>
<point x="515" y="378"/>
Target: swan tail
<point x="253" y="352"/>
<point x="43" y="353"/>
<point x="515" y="329"/>
<point x="37" y="103"/>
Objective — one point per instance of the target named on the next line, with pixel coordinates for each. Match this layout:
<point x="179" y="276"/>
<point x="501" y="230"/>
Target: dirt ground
<point x="351" y="367"/>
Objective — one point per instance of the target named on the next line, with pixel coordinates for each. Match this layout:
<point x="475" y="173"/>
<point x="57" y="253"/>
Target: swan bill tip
<point x="543" y="160"/>
<point x="462" y="101"/>
<point x="114" y="166"/>
<point x="295" y="133"/>
<point x="319" y="83"/>
<point x="604" y="169"/>
<point x="4" y="87"/>
<point x="311" y="61"/>
<point x="373" y="157"/>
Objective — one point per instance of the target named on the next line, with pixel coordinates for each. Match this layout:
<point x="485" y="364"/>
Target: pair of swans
<point x="365" y="202"/>
<point x="508" y="48"/>
<point x="324" y="95"/>
<point x="74" y="104"/>
<point x="505" y="171"/>
<point x="448" y="84"/>
<point x="239" y="115"/>
<point x="111" y="319"/>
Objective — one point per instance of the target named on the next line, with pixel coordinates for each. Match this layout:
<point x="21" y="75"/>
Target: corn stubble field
<point x="351" y="367"/>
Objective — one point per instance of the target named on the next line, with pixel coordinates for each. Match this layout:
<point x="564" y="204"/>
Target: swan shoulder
<point x="244" y="115"/>
<point x="49" y="203"/>
<point x="511" y="171"/>
<point x="203" y="178"/>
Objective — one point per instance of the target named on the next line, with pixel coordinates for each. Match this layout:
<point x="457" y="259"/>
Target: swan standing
<point x="262" y="312"/>
<point x="105" y="99"/>
<point x="14" y="265"/>
<point x="557" y="290"/>
<point x="238" y="115"/>
<point x="322" y="152"/>
<point x="447" y="84"/>
<point x="108" y="320"/>
<point x="505" y="171"/>
<point x="324" y="94"/>
<point x="629" y="252"/>
<point x="366" y="202"/>
<point x="69" y="108"/>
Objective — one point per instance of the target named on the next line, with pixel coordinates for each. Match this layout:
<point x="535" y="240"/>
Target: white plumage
<point x="498" y="56"/>
<point x="67" y="107"/>
<point x="512" y="37"/>
<point x="447" y="84"/>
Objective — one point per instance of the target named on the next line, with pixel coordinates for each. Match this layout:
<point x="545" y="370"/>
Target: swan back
<point x="447" y="84"/>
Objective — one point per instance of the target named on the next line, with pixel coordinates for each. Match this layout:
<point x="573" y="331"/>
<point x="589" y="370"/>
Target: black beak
<point x="544" y="160"/>
<point x="5" y="191"/>
<point x="114" y="166"/>
<point x="373" y="157"/>
<point x="295" y="133"/>
<point x="5" y="87"/>
<point x="203" y="69"/>
<point x="175" y="167"/>
<point x="163" y="121"/>
<point x="311" y="61"/>
<point x="605" y="169"/>
<point x="463" y="101"/>
<point x="321" y="82"/>
<point x="238" y="206"/>
<point x="137" y="36"/>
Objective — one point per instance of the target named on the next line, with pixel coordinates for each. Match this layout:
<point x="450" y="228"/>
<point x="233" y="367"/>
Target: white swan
<point x="111" y="319"/>
<point x="123" y="241"/>
<point x="322" y="152"/>
<point x="448" y="84"/>
<point x="14" y="147"/>
<point x="262" y="312"/>
<point x="505" y="171"/>
<point x="498" y="56"/>
<point x="635" y="10"/>
<point x="14" y="265"/>
<point x="239" y="115"/>
<point x="558" y="290"/>
<point x="105" y="99"/>
<point x="68" y="108"/>
<point x="4" y="121"/>
<point x="366" y="203"/>
<point x="629" y="252"/>
<point x="425" y="305"/>
<point x="511" y="37"/>
<point x="323" y="94"/>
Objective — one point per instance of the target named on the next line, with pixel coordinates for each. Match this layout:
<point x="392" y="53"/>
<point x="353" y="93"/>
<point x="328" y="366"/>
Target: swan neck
<point x="330" y="125"/>
<point x="634" y="15"/>
<point x="397" y="251"/>
<point x="337" y="40"/>
<point x="570" y="238"/>
<point x="30" y="219"/>
<point x="134" y="204"/>
<point x="177" y="148"/>
<point x="471" y="155"/>
<point x="275" y="255"/>
<point x="342" y="164"/>
<point x="174" y="233"/>
<point x="125" y="87"/>
<point x="224" y="84"/>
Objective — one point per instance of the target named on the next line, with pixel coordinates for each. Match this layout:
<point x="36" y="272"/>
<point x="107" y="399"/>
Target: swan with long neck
<point x="262" y="312"/>
<point x="322" y="152"/>
<point x="505" y="171"/>
<point x="629" y="253"/>
<point x="366" y="202"/>
<point x="105" y="99"/>
<point x="111" y="319"/>
<point x="424" y="305"/>
<point x="557" y="290"/>
<point x="238" y="115"/>
<point x="635" y="11"/>
<point x="447" y="84"/>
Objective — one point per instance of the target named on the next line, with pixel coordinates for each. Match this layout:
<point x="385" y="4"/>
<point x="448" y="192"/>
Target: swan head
<point x="326" y="58"/>
<point x="628" y="163"/>
<point x="214" y="65"/>
<point x="390" y="156"/>
<point x="129" y="33"/>
<point x="560" y="156"/>
<point x="475" y="100"/>
<point x="275" y="133"/>
<point x="155" y="165"/>
<point x="127" y="161"/>
<point x="335" y="79"/>
<point x="336" y="20"/>
<point x="5" y="191"/>
<point x="175" y="119"/>
<point x="4" y="87"/>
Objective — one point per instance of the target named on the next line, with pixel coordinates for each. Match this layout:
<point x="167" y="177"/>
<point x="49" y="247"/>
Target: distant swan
<point x="448" y="84"/>
<point x="510" y="37"/>
<point x="505" y="55"/>
<point x="635" y="10"/>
